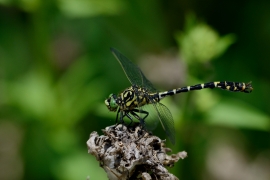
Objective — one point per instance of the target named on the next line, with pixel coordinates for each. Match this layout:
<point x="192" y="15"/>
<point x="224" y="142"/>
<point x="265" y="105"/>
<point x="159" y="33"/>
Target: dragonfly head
<point x="110" y="102"/>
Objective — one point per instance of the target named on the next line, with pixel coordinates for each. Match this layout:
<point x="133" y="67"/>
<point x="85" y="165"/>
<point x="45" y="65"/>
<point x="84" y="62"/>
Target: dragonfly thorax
<point x="131" y="98"/>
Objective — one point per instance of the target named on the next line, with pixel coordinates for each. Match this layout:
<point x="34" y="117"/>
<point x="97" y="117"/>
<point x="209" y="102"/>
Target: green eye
<point x="113" y="103"/>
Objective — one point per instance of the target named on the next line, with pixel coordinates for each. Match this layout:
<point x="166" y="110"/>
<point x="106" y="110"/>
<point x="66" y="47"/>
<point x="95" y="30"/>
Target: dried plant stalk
<point x="132" y="153"/>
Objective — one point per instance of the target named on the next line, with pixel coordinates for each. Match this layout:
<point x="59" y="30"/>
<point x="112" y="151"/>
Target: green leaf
<point x="84" y="8"/>
<point x="238" y="114"/>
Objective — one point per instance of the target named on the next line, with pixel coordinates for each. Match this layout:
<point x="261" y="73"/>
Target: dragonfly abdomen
<point x="230" y="86"/>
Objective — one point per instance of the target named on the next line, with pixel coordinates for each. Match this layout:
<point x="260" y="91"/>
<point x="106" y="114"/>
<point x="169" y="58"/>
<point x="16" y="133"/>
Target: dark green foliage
<point x="56" y="70"/>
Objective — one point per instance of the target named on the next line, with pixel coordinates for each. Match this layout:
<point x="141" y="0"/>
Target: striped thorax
<point x="131" y="98"/>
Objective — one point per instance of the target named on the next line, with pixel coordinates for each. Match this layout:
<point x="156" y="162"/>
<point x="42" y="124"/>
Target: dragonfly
<point x="131" y="101"/>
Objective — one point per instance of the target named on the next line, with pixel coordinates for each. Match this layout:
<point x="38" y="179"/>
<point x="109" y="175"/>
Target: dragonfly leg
<point x="142" y="119"/>
<point x="116" y="120"/>
<point x="131" y="120"/>
<point x="134" y="113"/>
<point x="122" y="115"/>
<point x="139" y="118"/>
<point x="121" y="119"/>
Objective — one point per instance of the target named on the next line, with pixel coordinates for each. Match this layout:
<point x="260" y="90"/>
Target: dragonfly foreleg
<point x="122" y="115"/>
<point x="116" y="120"/>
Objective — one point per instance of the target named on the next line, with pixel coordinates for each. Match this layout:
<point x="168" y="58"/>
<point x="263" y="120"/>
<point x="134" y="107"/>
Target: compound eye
<point x="113" y="103"/>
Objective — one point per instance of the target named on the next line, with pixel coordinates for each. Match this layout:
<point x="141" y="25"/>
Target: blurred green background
<point x="56" y="70"/>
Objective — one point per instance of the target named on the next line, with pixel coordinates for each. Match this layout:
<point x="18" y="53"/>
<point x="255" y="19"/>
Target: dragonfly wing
<point x="151" y="121"/>
<point x="166" y="120"/>
<point x="132" y="71"/>
<point x="147" y="84"/>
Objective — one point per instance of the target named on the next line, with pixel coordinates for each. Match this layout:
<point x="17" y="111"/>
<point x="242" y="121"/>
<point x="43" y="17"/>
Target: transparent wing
<point x="166" y="120"/>
<point x="152" y="120"/>
<point x="133" y="72"/>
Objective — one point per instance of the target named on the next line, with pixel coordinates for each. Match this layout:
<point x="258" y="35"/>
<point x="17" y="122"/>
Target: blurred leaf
<point x="62" y="139"/>
<point x="29" y="5"/>
<point x="201" y="43"/>
<point x="79" y="90"/>
<point x="238" y="114"/>
<point x="66" y="101"/>
<point x="84" y="8"/>
<point x="205" y="99"/>
<point x="32" y="94"/>
<point x="224" y="43"/>
<point x="79" y="166"/>
<point x="6" y="2"/>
